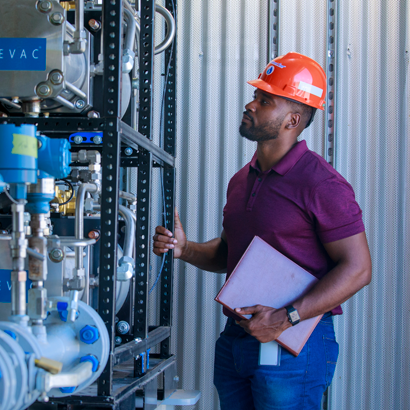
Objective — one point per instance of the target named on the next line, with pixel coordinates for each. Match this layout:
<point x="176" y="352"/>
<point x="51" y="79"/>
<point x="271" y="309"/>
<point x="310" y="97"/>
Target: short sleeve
<point x="335" y="211"/>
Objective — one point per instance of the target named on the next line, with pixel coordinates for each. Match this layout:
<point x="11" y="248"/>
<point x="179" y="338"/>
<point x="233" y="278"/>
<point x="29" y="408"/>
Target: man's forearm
<point x="339" y="285"/>
<point x="210" y="256"/>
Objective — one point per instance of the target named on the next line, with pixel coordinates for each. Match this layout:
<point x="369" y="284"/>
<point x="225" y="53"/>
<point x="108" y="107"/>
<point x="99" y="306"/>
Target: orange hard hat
<point x="296" y="77"/>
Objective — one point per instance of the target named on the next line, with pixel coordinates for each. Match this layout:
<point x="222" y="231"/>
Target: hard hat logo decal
<point x="277" y="64"/>
<point x="270" y="70"/>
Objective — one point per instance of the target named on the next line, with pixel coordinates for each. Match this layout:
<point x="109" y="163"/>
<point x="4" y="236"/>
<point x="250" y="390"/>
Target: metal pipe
<point x="75" y="90"/>
<point x="79" y="19"/>
<point x="11" y="104"/>
<point x="37" y="295"/>
<point x="130" y="227"/>
<point x="18" y="247"/>
<point x="127" y="214"/>
<point x="76" y="242"/>
<point x="64" y="102"/>
<point x="171" y="27"/>
<point x="128" y="197"/>
<point x="131" y="29"/>
<point x="35" y="254"/>
<point x="79" y="220"/>
<point x="171" y="30"/>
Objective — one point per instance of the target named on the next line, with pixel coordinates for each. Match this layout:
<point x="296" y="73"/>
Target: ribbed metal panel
<point x="372" y="152"/>
<point x="302" y="28"/>
<point x="222" y="44"/>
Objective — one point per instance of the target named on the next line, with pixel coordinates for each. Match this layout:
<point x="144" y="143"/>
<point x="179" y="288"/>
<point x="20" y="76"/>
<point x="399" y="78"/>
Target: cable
<point x="67" y="182"/>
<point x="9" y="197"/>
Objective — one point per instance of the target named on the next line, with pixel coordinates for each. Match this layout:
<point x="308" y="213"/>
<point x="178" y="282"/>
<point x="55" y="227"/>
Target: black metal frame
<point x="110" y="392"/>
<point x="331" y="80"/>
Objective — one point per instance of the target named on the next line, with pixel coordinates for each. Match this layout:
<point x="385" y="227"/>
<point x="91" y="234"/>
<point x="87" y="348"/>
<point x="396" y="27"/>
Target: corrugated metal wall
<point x="372" y="152"/>
<point x="223" y="44"/>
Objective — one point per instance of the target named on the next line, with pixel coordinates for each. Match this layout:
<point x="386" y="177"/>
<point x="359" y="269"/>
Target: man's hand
<point x="266" y="323"/>
<point x="164" y="240"/>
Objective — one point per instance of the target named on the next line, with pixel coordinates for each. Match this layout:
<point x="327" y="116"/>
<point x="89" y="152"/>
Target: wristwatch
<point x="293" y="315"/>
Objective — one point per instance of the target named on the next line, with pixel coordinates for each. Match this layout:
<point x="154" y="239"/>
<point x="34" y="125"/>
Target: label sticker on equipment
<point x="23" y="54"/>
<point x="24" y="145"/>
<point x="312" y="89"/>
<point x="270" y="70"/>
<point x="5" y="286"/>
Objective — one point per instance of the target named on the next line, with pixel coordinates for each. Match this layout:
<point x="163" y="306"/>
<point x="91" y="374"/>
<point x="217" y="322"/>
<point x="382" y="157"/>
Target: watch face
<point x="294" y="316"/>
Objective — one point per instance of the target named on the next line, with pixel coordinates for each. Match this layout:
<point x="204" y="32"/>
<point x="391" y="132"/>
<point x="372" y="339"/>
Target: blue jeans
<point x="297" y="384"/>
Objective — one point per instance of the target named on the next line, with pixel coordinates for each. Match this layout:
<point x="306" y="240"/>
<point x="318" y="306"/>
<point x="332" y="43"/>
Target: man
<point x="295" y="201"/>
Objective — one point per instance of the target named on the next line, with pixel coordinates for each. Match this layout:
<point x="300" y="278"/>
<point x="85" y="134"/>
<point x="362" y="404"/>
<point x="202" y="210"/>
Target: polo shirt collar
<point x="287" y="162"/>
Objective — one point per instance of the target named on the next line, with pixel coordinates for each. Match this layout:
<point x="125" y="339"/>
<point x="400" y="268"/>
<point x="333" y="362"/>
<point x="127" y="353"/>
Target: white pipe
<point x="76" y="376"/>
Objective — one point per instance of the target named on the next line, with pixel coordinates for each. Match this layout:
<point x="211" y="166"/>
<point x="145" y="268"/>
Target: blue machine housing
<point x="18" y="153"/>
<point x="54" y="157"/>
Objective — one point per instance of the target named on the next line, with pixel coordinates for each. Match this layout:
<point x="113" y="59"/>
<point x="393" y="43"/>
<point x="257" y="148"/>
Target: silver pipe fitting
<point x="18" y="245"/>
<point x="75" y="90"/>
<point x="37" y="295"/>
<point x="130" y="198"/>
<point x="171" y="30"/>
<point x="131" y="29"/>
<point x="79" y="222"/>
<point x="79" y="20"/>
<point x="129" y="230"/>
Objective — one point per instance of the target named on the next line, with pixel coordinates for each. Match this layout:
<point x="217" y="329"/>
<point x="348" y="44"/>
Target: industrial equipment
<point x="76" y="86"/>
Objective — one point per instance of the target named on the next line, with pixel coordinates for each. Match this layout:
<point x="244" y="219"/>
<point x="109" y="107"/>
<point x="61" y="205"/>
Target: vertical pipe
<point x="331" y="81"/>
<point x="18" y="253"/>
<point x="273" y="29"/>
<point x="79" y="221"/>
<point x="79" y="19"/>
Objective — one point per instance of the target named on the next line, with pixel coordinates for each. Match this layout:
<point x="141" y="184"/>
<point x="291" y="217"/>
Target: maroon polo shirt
<point x="296" y="206"/>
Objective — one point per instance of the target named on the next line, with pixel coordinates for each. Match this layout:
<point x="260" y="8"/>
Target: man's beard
<point x="265" y="132"/>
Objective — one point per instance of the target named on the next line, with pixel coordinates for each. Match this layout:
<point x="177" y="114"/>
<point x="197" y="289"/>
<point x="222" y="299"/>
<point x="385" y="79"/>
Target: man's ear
<point x="293" y="120"/>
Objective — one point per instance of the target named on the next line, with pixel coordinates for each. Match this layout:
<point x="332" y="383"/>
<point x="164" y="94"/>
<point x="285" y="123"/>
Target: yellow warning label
<point x="24" y="145"/>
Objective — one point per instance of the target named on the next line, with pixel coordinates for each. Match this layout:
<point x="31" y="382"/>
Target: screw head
<point x="79" y="104"/>
<point x="97" y="139"/>
<point x="176" y="378"/>
<point x="56" y="78"/>
<point x="78" y="139"/>
<point x="128" y="151"/>
<point x="118" y="340"/>
<point x="95" y="25"/>
<point x="56" y="255"/>
<point x="43" y="90"/>
<point x="123" y="327"/>
<point x="93" y="114"/>
<point x="57" y="18"/>
<point x="45" y="6"/>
